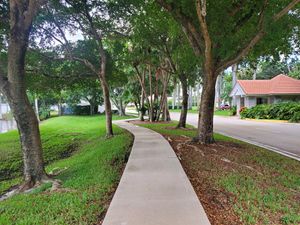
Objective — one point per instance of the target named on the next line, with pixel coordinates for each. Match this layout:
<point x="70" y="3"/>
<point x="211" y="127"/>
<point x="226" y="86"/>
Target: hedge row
<point x="280" y="111"/>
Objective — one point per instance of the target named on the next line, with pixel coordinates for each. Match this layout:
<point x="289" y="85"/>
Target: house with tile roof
<point x="249" y="93"/>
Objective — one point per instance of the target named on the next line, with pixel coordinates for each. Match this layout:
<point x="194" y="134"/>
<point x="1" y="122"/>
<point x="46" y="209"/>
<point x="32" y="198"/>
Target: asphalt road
<point x="283" y="138"/>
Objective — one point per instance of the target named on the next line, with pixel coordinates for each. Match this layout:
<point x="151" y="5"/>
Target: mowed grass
<point x="273" y="194"/>
<point x="223" y="113"/>
<point x="91" y="168"/>
<point x="195" y="110"/>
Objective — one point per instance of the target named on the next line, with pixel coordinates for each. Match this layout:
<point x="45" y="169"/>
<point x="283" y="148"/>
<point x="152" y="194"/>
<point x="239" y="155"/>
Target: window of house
<point x="260" y="101"/>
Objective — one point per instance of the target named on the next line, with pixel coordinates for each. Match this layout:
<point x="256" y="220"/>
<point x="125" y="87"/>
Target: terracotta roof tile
<point x="281" y="84"/>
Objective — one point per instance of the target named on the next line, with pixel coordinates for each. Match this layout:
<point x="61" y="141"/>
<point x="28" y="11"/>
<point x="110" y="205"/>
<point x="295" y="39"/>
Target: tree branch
<point x="257" y="37"/>
<point x="201" y="12"/>
<point x="187" y="26"/>
<point x="286" y="10"/>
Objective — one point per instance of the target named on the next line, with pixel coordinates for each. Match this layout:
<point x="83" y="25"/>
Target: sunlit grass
<point x="89" y="175"/>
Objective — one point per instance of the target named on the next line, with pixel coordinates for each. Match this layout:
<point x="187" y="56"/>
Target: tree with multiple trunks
<point x="156" y="29"/>
<point x="222" y="33"/>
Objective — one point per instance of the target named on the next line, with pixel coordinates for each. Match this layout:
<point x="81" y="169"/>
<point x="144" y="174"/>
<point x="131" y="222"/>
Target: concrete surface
<point x="154" y="189"/>
<point x="283" y="138"/>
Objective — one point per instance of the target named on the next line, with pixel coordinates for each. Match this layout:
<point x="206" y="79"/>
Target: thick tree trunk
<point x="20" y="20"/>
<point x="29" y="136"/>
<point x="206" y="113"/>
<point x="185" y="97"/>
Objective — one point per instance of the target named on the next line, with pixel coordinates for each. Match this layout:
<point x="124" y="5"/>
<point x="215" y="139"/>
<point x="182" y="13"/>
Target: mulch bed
<point x="199" y="163"/>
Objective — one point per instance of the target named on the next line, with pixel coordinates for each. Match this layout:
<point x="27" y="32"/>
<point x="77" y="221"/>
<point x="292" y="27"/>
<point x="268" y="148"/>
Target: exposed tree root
<point x="29" y="186"/>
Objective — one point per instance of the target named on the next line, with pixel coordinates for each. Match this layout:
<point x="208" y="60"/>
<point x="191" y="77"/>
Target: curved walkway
<point x="154" y="189"/>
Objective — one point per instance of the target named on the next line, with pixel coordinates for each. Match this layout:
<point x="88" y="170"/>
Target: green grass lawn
<point x="269" y="196"/>
<point x="223" y="113"/>
<point x="92" y="168"/>
<point x="195" y="110"/>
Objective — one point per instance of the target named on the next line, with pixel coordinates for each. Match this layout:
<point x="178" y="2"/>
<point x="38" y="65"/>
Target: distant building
<point x="4" y="107"/>
<point x="249" y="93"/>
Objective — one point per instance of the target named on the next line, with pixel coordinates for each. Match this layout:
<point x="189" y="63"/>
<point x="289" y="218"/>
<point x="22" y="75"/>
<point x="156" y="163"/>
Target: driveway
<point x="283" y="138"/>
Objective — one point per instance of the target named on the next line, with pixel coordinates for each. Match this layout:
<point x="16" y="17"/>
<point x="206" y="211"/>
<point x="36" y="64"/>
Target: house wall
<point x="238" y="104"/>
<point x="250" y="101"/>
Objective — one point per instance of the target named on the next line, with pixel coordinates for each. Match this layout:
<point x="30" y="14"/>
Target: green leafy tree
<point x="222" y="33"/>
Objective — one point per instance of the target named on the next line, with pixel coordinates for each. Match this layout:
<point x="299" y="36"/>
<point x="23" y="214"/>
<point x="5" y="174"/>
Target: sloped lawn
<point x="91" y="168"/>
<point x="237" y="183"/>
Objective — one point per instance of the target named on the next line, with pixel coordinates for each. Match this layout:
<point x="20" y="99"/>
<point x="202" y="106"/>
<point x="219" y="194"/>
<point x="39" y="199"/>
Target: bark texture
<point x="185" y="98"/>
<point x="106" y="97"/>
<point x="22" y="14"/>
<point x="206" y="112"/>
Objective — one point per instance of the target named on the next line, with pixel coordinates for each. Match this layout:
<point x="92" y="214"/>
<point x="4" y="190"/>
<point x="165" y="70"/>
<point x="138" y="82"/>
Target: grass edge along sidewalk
<point x="90" y="172"/>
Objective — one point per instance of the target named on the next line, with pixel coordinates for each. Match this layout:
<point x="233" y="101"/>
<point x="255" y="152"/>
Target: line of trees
<point x="134" y="50"/>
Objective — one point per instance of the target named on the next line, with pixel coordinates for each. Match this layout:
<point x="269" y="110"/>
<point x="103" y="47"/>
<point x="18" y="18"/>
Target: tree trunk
<point x="178" y="96"/>
<point x="60" y="109"/>
<point x="151" y="109"/>
<point x="21" y="16"/>
<point x="185" y="97"/>
<point x="28" y="127"/>
<point x="121" y="108"/>
<point x="174" y="97"/>
<point x="107" y="105"/>
<point x="142" y="104"/>
<point x="206" y="113"/>
<point x="92" y="109"/>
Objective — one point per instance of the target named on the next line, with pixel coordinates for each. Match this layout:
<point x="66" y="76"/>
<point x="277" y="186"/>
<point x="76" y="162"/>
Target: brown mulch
<point x="200" y="163"/>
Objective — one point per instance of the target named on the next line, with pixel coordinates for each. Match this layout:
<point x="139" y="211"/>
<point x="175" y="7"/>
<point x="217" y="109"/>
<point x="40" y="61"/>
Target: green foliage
<point x="233" y="110"/>
<point x="227" y="87"/>
<point x="281" y="111"/>
<point x="88" y="175"/>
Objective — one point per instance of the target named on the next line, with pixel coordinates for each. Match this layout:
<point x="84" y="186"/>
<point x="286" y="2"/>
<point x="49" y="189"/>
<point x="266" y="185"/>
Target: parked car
<point x="224" y="107"/>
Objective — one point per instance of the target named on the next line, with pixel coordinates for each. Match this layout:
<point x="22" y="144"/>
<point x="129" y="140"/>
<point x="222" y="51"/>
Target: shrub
<point x="233" y="110"/>
<point x="44" y="112"/>
<point x="295" y="118"/>
<point x="243" y="112"/>
<point x="281" y="111"/>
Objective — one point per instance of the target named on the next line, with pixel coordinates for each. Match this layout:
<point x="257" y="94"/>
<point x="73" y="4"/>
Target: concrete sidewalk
<point x="154" y="189"/>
